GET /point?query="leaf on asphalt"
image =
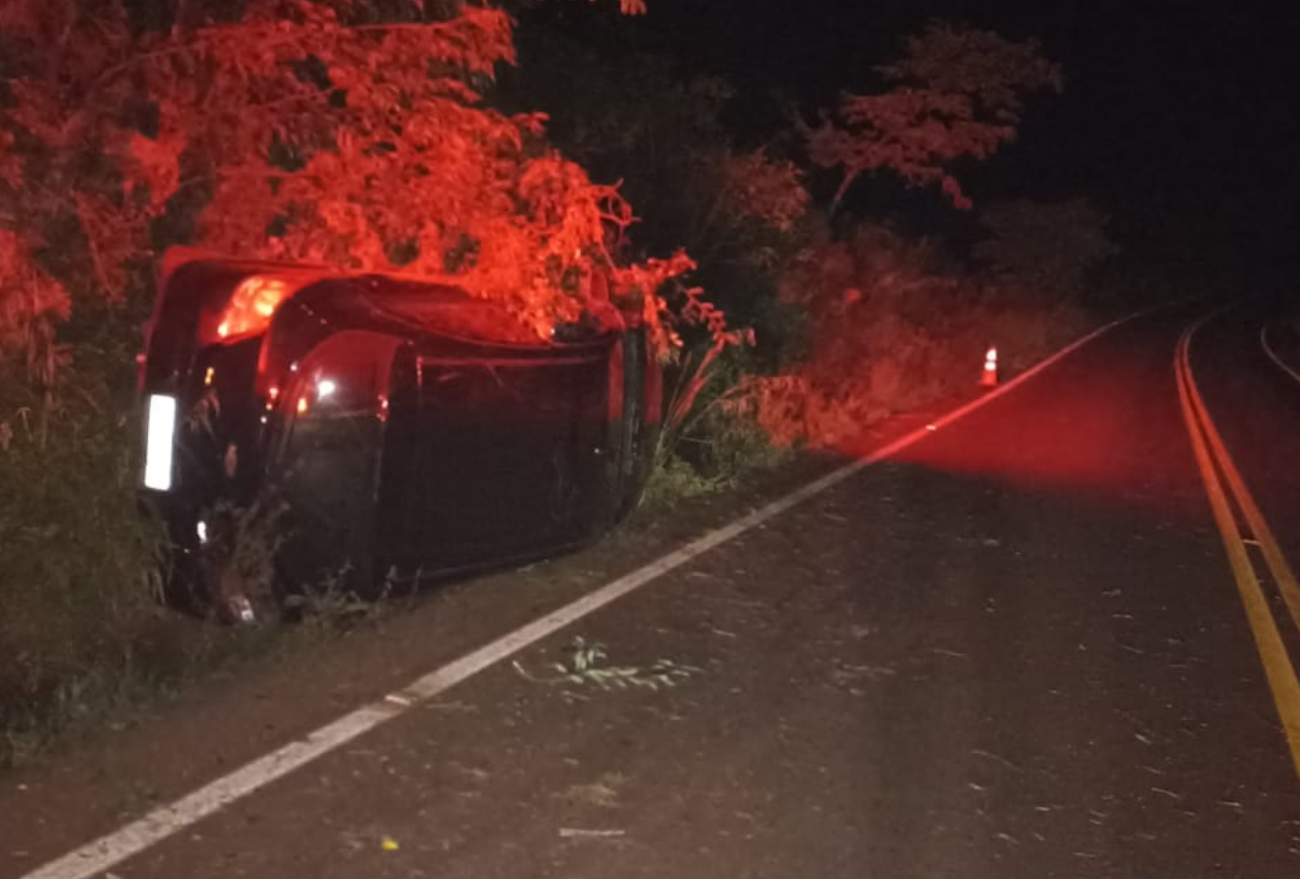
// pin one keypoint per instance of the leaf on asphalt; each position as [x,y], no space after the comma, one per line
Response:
[586,667]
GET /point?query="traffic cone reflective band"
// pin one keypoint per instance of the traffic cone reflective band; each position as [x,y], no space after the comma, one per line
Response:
[990,377]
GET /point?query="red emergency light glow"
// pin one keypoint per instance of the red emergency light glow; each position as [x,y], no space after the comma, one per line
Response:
[251,306]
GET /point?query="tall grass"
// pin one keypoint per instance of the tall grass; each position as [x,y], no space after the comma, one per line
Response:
[79,568]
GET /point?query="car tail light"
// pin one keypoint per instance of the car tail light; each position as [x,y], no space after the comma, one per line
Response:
[159,433]
[251,306]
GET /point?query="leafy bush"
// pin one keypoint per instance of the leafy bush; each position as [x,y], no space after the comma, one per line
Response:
[891,326]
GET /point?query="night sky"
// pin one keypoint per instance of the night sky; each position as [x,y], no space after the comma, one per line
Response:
[1177,117]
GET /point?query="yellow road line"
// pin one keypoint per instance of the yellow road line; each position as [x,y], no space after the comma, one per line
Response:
[1278,670]
[1283,576]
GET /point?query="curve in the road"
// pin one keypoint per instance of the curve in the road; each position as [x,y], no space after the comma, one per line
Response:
[1273,355]
[1217,471]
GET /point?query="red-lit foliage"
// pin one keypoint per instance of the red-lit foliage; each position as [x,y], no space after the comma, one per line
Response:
[891,327]
[958,92]
[758,187]
[332,131]
[30,303]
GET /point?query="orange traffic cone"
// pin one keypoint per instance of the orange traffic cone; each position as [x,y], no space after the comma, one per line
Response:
[990,377]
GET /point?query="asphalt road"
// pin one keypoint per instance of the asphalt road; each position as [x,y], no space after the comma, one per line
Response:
[1016,649]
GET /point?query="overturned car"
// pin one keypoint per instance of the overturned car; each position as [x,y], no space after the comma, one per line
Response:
[368,431]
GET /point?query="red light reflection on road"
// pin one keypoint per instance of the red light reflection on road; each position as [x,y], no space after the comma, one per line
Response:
[1100,437]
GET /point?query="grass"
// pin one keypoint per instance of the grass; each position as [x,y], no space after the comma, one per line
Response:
[149,666]
[675,480]
[714,449]
[156,660]
[79,620]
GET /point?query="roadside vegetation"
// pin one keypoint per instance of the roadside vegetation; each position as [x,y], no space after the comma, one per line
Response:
[796,297]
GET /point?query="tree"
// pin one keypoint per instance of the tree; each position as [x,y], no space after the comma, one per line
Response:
[348,132]
[642,118]
[957,93]
[1045,248]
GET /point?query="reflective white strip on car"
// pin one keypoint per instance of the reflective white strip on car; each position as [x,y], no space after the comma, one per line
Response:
[160,432]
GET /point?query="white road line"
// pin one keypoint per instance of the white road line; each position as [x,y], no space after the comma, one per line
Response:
[96,857]
[1272,355]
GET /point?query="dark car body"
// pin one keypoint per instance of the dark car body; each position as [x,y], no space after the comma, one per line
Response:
[385,429]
